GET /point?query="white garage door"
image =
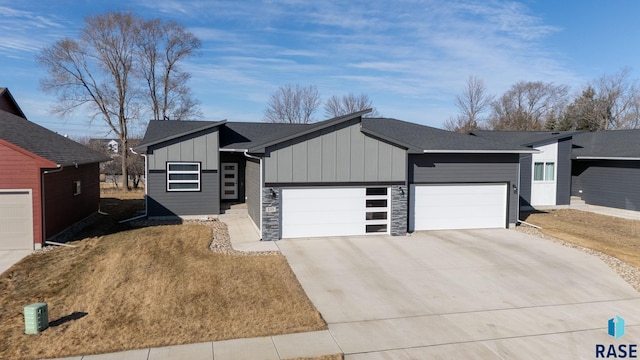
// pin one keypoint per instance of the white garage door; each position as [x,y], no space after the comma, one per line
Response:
[314,212]
[464,206]
[16,220]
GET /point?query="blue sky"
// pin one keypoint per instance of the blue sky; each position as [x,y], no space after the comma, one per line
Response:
[411,57]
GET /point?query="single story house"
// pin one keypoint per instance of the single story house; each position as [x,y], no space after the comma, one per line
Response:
[348,175]
[545,176]
[48,182]
[606,168]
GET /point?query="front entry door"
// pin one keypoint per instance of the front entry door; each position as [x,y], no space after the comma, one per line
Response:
[229,181]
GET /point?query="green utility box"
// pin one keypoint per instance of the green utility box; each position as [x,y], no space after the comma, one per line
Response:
[36,318]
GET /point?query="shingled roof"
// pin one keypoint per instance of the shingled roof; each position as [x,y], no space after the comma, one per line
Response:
[255,137]
[609,144]
[45,143]
[420,138]
[523,138]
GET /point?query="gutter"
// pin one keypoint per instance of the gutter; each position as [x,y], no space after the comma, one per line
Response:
[606,158]
[146,197]
[533,151]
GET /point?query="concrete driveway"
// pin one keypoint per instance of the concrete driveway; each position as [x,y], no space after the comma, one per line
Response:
[10,257]
[491,294]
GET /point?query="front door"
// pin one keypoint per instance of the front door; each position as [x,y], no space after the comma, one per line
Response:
[229,181]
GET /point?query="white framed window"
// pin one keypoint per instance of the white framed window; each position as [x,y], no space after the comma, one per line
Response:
[183,176]
[77,187]
[544,171]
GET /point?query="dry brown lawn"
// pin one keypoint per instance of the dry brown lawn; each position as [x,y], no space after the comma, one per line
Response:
[148,287]
[610,235]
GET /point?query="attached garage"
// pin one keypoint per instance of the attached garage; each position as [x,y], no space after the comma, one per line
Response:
[16,220]
[457,206]
[335,211]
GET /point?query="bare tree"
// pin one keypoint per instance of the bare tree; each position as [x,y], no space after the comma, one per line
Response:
[618,99]
[102,72]
[347,104]
[96,71]
[161,46]
[472,103]
[293,104]
[528,106]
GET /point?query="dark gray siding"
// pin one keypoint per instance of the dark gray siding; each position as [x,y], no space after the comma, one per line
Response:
[252,190]
[183,203]
[338,154]
[608,183]
[525,180]
[468,168]
[199,147]
[563,183]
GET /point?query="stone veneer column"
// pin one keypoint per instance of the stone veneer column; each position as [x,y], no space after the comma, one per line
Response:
[270,219]
[399,208]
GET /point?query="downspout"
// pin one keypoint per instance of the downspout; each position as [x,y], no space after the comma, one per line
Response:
[146,197]
[260,197]
[44,223]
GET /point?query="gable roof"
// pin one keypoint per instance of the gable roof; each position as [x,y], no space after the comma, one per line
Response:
[425,139]
[9,104]
[309,128]
[256,137]
[247,135]
[523,138]
[159,131]
[608,144]
[45,143]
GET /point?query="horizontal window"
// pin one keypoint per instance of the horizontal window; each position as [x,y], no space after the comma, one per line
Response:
[378,215]
[195,167]
[376,203]
[377,228]
[377,191]
[183,176]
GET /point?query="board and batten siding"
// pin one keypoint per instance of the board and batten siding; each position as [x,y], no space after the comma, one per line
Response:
[468,168]
[252,190]
[608,183]
[338,154]
[202,147]
[563,184]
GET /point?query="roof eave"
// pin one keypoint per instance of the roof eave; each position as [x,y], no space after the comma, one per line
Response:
[145,146]
[459,151]
[388,139]
[624,158]
[325,124]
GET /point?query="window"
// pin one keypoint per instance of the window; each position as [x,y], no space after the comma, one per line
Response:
[544,171]
[549,171]
[183,176]
[77,188]
[377,210]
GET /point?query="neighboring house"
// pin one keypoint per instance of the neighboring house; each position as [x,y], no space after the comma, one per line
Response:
[110,146]
[344,176]
[545,176]
[48,182]
[606,168]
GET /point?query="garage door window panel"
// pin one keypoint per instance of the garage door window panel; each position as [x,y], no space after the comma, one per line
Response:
[183,176]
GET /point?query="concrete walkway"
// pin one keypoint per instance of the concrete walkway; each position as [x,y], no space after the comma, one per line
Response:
[278,347]
[244,237]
